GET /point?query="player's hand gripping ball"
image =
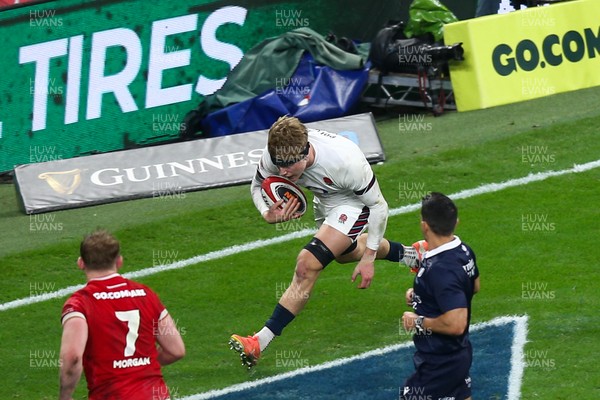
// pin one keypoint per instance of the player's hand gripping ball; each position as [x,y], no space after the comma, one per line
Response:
[275,188]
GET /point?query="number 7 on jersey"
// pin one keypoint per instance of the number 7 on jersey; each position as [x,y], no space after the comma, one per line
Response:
[132,318]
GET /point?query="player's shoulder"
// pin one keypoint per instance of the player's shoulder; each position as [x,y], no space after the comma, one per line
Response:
[76,298]
[454,255]
[319,133]
[465,252]
[335,148]
[82,294]
[78,302]
[448,255]
[453,262]
[466,247]
[134,285]
[325,137]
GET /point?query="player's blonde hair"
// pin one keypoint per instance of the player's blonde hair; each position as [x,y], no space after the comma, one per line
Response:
[99,250]
[288,139]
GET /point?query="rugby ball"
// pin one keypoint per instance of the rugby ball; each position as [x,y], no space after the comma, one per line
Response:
[275,188]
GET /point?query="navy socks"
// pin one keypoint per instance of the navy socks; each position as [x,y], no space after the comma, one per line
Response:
[280,318]
[396,251]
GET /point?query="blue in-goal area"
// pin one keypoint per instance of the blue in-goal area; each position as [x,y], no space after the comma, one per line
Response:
[380,374]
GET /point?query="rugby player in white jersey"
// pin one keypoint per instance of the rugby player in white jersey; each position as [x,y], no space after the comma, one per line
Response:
[347,199]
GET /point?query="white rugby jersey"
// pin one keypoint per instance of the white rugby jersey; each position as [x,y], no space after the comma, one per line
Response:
[340,175]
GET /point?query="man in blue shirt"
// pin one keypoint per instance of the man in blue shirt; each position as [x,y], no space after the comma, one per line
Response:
[441,298]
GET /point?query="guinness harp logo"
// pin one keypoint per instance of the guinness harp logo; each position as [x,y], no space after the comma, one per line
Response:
[62,182]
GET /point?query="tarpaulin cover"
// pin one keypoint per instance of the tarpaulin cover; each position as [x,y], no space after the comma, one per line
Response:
[315,92]
[272,62]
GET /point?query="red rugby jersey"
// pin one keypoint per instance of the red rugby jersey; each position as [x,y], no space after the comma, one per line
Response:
[120,358]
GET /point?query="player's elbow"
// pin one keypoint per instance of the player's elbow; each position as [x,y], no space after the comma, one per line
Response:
[71,364]
[456,322]
[171,346]
[457,329]
[70,360]
[380,212]
[476,286]
[178,353]
[172,353]
[381,204]
[177,349]
[384,203]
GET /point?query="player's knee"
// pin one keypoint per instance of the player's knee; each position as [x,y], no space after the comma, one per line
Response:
[307,267]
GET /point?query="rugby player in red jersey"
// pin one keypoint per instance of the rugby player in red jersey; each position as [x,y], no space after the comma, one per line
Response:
[111,329]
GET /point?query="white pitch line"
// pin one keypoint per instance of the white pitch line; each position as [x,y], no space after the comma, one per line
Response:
[514,379]
[214,255]
[517,361]
[495,187]
[301,371]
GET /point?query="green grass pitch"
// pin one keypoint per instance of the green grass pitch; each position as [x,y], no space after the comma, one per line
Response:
[536,249]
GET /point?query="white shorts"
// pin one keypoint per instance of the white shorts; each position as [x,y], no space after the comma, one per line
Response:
[351,221]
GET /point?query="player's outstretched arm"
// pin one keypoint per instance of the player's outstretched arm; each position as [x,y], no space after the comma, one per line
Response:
[72,346]
[171,347]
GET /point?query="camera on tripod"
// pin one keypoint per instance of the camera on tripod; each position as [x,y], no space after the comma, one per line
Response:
[443,54]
